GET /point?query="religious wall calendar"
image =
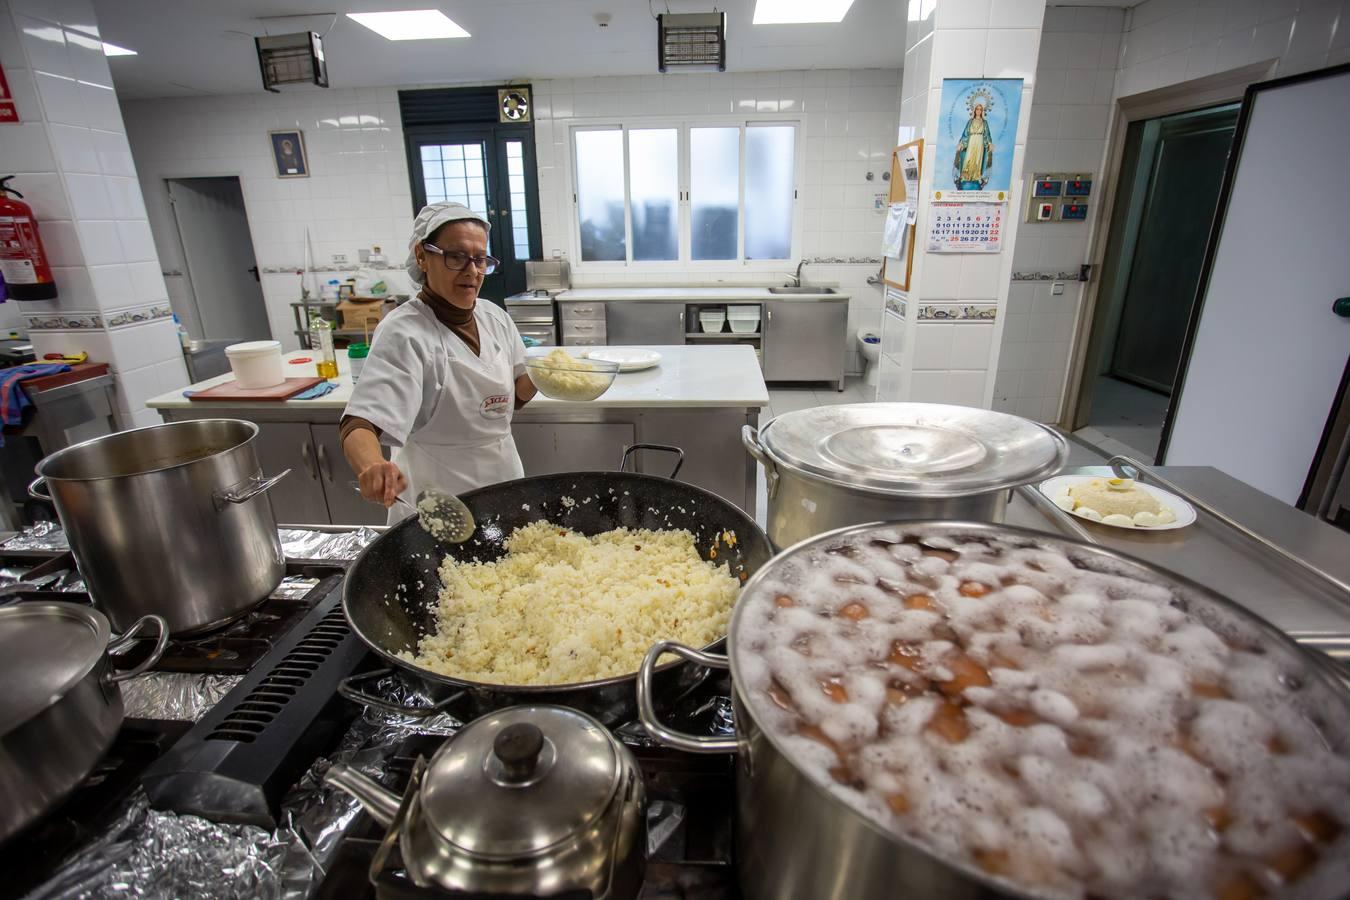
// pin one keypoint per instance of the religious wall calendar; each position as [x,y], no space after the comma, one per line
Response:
[966,227]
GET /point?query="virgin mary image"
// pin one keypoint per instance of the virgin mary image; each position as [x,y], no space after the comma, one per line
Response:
[974,152]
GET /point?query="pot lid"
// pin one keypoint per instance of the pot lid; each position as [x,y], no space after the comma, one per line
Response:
[45,649]
[915,449]
[520,780]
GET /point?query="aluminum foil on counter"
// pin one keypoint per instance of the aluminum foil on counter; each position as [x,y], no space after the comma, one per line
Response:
[305,543]
[151,854]
[41,536]
[177,696]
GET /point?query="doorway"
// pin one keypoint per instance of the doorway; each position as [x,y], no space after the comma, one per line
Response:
[224,298]
[490,169]
[1171,173]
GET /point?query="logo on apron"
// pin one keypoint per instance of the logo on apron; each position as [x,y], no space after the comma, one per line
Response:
[495,406]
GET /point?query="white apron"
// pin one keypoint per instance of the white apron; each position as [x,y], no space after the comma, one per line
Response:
[467,442]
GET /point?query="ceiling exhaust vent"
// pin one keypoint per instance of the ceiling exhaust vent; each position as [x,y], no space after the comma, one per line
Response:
[691,42]
[287,59]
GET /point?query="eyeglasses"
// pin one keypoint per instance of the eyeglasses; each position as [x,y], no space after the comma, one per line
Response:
[456,261]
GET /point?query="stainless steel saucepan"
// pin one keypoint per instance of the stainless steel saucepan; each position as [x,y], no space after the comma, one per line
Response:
[169,520]
[61,706]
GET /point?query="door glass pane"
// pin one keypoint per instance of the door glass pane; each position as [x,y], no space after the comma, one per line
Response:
[714,191]
[768,191]
[454,172]
[653,186]
[520,211]
[599,156]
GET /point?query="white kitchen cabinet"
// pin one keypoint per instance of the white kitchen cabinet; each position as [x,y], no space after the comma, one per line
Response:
[804,341]
[346,506]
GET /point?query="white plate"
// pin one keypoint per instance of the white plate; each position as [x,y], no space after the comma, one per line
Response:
[1184,512]
[629,360]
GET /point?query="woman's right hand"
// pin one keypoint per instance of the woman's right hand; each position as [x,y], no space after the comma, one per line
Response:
[382,482]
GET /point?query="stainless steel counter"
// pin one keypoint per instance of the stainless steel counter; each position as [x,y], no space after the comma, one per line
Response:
[1215,555]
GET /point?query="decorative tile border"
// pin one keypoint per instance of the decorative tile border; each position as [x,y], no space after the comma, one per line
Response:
[896,302]
[65,321]
[844,260]
[1046,276]
[958,312]
[139,315]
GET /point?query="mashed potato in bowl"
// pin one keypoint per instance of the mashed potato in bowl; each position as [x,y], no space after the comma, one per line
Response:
[564,377]
[563,608]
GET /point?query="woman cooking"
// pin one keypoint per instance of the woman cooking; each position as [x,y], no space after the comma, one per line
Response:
[444,375]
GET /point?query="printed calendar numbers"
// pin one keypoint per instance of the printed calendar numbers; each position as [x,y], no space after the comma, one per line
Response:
[966,227]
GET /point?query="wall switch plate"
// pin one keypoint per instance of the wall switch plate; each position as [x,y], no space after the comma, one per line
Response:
[1078,185]
[339,259]
[1057,288]
[1071,211]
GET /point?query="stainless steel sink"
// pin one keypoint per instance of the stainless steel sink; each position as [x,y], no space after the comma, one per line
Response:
[801,289]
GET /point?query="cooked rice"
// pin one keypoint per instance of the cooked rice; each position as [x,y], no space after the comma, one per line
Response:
[561,607]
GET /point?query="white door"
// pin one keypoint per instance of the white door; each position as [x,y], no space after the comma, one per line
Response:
[1268,350]
[218,247]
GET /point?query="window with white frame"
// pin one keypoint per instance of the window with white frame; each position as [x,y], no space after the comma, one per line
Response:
[687,192]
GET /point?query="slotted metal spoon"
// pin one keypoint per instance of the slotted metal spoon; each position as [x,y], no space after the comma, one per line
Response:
[444,517]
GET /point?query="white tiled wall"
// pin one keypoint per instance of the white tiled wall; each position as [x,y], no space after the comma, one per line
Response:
[1075,84]
[74,167]
[942,361]
[848,119]
[357,194]
[1171,41]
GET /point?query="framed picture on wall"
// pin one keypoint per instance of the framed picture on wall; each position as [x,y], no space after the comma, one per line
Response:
[288,152]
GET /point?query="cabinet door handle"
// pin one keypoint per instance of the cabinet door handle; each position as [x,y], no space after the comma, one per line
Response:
[324,466]
[308,459]
[769,316]
[681,318]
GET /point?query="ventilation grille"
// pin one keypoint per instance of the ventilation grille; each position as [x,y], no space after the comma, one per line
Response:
[267,700]
[446,106]
[686,40]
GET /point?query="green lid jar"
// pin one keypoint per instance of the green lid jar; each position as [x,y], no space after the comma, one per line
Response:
[356,359]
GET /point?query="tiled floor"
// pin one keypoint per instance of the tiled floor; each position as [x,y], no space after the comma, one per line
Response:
[1125,419]
[792,398]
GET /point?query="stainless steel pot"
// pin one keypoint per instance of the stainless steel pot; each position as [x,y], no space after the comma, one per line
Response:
[832,466]
[797,840]
[61,706]
[528,801]
[169,520]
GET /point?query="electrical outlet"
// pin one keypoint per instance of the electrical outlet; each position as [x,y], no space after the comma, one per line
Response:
[339,259]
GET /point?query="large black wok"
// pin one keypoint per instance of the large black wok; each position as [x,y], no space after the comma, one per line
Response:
[392,588]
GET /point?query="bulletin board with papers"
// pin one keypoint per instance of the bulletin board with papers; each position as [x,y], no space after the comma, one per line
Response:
[899,233]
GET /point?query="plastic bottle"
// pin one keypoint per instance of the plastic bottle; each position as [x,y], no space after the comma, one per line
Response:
[356,359]
[322,330]
[183,337]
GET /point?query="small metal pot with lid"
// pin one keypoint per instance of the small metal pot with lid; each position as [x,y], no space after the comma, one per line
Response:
[531,800]
[833,466]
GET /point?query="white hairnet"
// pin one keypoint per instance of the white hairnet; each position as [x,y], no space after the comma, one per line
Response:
[433,216]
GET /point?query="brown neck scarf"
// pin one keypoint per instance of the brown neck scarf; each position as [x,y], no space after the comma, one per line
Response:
[458,320]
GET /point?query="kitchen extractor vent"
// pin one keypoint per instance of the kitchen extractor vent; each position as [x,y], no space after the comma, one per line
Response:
[688,41]
[288,59]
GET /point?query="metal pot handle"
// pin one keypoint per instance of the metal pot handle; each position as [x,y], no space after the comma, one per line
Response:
[252,488]
[665,448]
[348,688]
[120,643]
[690,743]
[750,438]
[33,489]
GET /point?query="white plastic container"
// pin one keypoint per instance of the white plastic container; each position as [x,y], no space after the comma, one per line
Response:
[256,364]
[712,320]
[743,319]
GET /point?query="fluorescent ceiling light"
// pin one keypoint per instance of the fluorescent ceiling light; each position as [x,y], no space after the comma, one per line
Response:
[800,12]
[114,50]
[410,24]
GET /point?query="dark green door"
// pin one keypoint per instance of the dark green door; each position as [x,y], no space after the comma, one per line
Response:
[1184,173]
[491,170]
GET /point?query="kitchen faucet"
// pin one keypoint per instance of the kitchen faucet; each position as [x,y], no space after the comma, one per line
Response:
[798,277]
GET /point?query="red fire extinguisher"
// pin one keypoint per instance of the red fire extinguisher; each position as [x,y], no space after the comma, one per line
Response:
[23,264]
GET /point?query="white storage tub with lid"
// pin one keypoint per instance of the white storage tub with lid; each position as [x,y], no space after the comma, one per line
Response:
[256,364]
[712,320]
[743,319]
